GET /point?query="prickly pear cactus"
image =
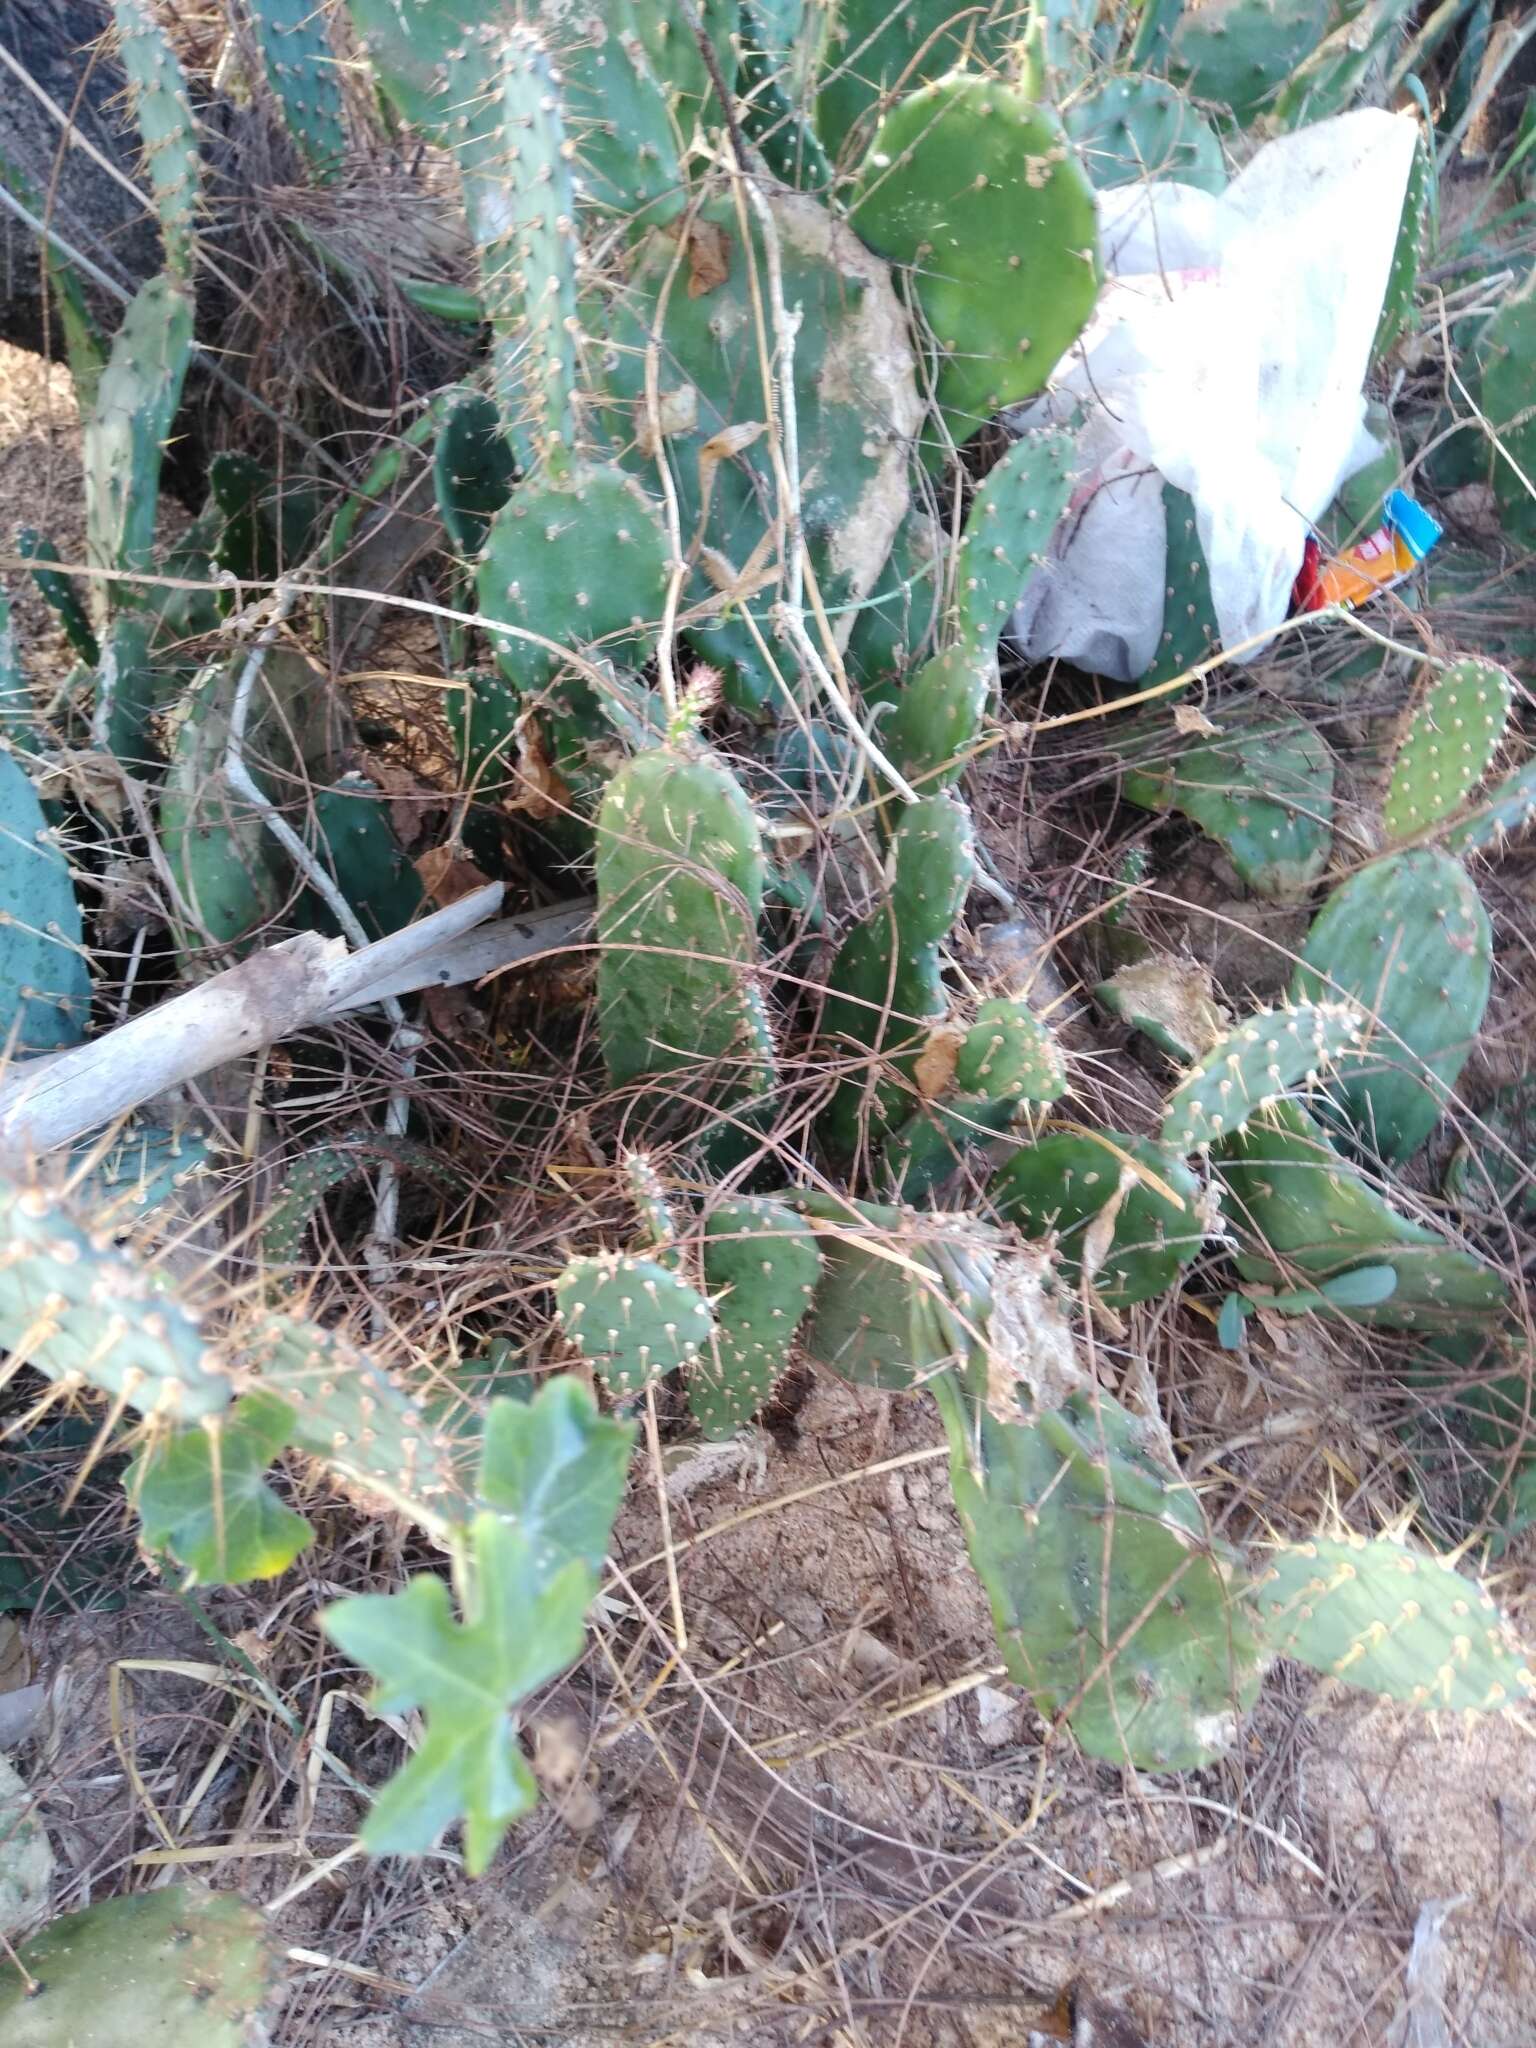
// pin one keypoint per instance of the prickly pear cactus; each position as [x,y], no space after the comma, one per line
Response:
[1003,1061]
[761,1264]
[1252,1067]
[1448,746]
[875,50]
[903,1296]
[577,561]
[60,591]
[1497,814]
[1190,634]
[680,875]
[358,845]
[371,1431]
[1121,1209]
[782,45]
[163,113]
[181,1966]
[127,430]
[896,628]
[1237,53]
[976,190]
[1506,353]
[1263,790]
[1407,252]
[228,868]
[1007,531]
[45,982]
[885,984]
[305,80]
[1406,939]
[1131,129]
[938,716]
[633,1320]
[1113,1604]
[1300,1211]
[1395,1620]
[88,1315]
[473,470]
[627,68]
[857,410]
[1483,1177]
[1172,1001]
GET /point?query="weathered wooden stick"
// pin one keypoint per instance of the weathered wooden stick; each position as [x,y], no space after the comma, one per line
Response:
[304,982]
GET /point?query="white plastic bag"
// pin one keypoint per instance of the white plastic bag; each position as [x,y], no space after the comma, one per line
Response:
[1227,355]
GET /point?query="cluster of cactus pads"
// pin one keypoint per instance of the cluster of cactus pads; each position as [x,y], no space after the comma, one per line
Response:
[728,569]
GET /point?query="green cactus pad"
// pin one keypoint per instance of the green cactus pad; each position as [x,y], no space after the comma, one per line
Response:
[895,629]
[1452,735]
[632,1320]
[129,426]
[1485,1178]
[761,1264]
[875,50]
[1497,815]
[1301,1212]
[1263,791]
[483,717]
[1407,252]
[87,1314]
[1190,633]
[1111,1600]
[1005,1059]
[366,1427]
[1131,129]
[307,1179]
[1008,530]
[60,590]
[680,876]
[904,1295]
[1506,353]
[182,1966]
[581,561]
[1064,1184]
[782,46]
[1408,940]
[304,78]
[1252,1067]
[626,67]
[167,129]
[229,870]
[358,845]
[1237,53]
[144,1168]
[976,190]
[937,718]
[1008,1052]
[45,982]
[885,983]
[473,469]
[1393,1620]
[658,1225]
[856,403]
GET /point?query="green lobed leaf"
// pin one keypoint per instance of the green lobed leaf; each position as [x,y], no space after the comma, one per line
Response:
[203,1495]
[521,1626]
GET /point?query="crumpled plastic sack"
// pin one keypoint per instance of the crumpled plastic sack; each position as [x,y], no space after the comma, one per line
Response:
[1227,355]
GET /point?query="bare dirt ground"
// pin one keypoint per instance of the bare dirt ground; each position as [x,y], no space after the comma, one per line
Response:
[790,1796]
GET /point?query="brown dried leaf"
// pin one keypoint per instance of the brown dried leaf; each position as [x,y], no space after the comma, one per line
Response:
[446,875]
[709,258]
[1189,718]
[934,1068]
